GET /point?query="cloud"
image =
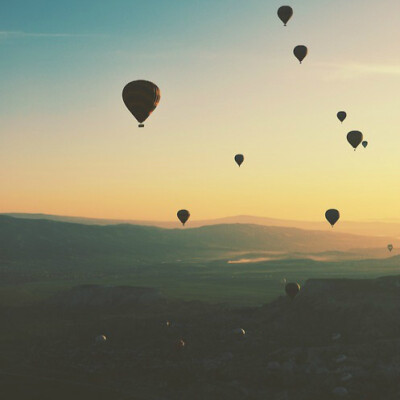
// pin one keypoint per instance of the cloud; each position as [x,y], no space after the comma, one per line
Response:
[20,34]
[358,70]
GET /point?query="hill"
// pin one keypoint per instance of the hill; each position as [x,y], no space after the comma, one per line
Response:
[46,240]
[363,228]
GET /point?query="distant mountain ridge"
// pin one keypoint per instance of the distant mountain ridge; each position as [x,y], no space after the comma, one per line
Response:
[367,228]
[45,239]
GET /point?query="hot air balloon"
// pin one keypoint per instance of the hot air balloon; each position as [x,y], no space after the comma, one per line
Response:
[183,216]
[292,289]
[364,143]
[180,344]
[100,339]
[285,13]
[390,247]
[300,52]
[354,138]
[239,332]
[141,98]
[332,216]
[239,158]
[341,115]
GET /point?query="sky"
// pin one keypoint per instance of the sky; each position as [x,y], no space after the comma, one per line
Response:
[229,84]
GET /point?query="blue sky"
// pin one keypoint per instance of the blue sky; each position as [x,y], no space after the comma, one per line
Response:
[229,84]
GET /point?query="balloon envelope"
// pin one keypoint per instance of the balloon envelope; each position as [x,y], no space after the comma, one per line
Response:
[183,216]
[300,52]
[285,13]
[390,247]
[332,215]
[100,339]
[364,143]
[141,98]
[292,289]
[354,138]
[239,158]
[341,115]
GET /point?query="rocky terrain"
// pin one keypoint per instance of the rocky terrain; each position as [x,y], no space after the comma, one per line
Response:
[336,339]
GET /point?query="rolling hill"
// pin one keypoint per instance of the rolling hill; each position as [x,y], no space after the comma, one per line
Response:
[364,228]
[44,239]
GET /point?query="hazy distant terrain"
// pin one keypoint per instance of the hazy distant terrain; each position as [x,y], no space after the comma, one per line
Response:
[366,228]
[234,263]
[30,239]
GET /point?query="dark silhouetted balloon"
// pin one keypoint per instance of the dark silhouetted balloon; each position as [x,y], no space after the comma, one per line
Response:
[341,115]
[390,247]
[285,13]
[300,52]
[332,216]
[183,216]
[364,143]
[354,138]
[239,159]
[141,98]
[292,289]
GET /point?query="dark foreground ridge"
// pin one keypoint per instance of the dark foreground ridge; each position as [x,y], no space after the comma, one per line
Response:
[337,339]
[105,296]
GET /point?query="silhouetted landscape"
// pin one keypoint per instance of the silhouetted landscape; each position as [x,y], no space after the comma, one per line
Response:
[147,288]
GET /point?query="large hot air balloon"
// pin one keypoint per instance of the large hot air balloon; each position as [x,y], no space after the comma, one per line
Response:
[354,138]
[292,289]
[183,216]
[332,216]
[390,247]
[364,143]
[300,52]
[285,13]
[341,115]
[141,98]
[239,158]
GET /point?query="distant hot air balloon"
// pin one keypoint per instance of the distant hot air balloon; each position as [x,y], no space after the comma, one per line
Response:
[300,52]
[141,98]
[239,332]
[341,115]
[390,247]
[285,13]
[354,138]
[292,289]
[332,215]
[364,143]
[239,158]
[180,344]
[100,339]
[183,216]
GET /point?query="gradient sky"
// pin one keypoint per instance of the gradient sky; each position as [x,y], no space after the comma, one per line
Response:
[229,84]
